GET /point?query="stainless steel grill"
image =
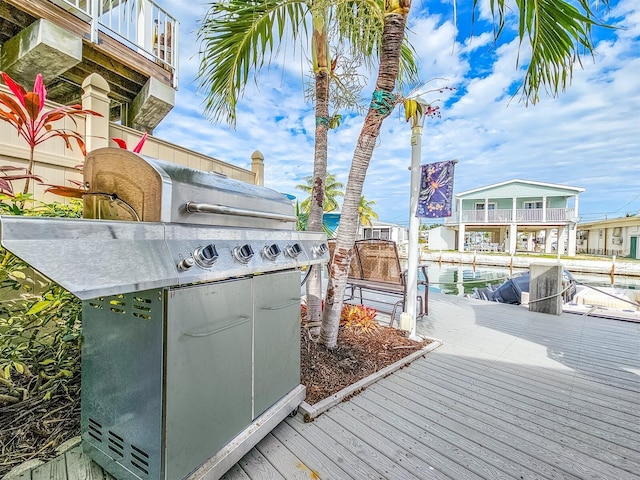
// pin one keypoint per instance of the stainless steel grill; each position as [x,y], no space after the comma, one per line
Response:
[191,289]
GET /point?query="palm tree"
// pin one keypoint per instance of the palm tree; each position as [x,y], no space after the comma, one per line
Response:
[332,189]
[365,212]
[239,36]
[556,31]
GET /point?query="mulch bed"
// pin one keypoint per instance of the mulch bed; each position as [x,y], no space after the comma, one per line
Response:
[358,354]
[34,428]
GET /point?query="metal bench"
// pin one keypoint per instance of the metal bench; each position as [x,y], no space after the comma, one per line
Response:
[375,267]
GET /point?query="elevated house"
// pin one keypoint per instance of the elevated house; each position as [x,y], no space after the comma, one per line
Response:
[117,57]
[132,44]
[517,215]
[616,236]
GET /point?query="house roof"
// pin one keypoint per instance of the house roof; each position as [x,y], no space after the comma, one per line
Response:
[611,222]
[529,185]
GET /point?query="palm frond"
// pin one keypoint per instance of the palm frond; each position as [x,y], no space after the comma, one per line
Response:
[558,33]
[237,38]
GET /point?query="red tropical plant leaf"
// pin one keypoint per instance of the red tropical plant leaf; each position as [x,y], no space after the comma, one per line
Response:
[32,105]
[5,186]
[70,192]
[9,168]
[40,90]
[17,90]
[138,147]
[14,107]
[121,143]
[32,123]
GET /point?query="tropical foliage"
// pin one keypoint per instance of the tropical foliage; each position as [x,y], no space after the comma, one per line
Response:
[365,211]
[26,113]
[40,339]
[332,190]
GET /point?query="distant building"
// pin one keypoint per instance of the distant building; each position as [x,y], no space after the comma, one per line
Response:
[515,215]
[618,236]
[384,231]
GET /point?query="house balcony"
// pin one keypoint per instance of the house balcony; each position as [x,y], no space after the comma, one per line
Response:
[535,216]
[132,44]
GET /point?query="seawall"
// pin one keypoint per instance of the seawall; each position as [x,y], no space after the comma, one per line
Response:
[601,265]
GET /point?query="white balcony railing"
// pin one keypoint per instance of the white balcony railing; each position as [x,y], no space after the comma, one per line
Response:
[523,215]
[140,24]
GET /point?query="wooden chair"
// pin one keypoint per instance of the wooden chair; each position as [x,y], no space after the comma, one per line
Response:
[375,267]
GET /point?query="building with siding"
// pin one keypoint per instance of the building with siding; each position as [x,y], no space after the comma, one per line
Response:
[617,236]
[517,215]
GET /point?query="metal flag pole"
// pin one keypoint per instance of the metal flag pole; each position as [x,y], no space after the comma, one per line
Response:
[414,225]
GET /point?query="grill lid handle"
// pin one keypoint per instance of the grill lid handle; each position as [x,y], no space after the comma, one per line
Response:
[193,207]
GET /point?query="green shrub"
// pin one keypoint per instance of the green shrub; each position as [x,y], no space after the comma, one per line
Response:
[40,339]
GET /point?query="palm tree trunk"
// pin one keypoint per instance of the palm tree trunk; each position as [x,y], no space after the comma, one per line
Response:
[316,208]
[381,107]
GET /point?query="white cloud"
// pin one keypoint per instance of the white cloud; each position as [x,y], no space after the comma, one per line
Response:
[588,137]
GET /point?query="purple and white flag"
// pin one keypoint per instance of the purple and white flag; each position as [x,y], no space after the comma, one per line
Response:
[436,190]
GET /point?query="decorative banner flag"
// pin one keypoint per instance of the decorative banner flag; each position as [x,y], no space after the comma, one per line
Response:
[436,190]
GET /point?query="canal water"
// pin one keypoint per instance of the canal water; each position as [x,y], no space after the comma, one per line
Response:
[462,279]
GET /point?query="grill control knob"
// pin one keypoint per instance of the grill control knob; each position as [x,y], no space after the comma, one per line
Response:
[293,250]
[244,253]
[186,264]
[206,256]
[271,252]
[320,249]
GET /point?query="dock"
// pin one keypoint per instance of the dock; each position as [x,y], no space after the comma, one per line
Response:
[511,394]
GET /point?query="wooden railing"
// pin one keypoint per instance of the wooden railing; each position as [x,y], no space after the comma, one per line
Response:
[142,25]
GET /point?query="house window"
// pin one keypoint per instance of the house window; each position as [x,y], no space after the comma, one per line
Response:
[377,233]
[532,205]
[480,206]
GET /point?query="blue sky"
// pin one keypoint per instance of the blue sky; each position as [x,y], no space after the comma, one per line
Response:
[588,137]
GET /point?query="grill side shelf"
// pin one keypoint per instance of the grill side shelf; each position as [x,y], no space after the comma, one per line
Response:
[92,258]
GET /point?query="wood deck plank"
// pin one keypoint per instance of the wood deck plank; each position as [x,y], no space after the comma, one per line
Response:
[53,470]
[563,456]
[369,450]
[80,467]
[447,437]
[560,382]
[446,419]
[351,462]
[257,467]
[601,444]
[557,395]
[235,473]
[289,466]
[406,450]
[316,460]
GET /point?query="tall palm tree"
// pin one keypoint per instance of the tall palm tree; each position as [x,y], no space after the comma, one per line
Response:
[238,37]
[365,211]
[332,190]
[556,30]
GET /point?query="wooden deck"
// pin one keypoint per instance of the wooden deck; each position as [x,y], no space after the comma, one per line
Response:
[511,394]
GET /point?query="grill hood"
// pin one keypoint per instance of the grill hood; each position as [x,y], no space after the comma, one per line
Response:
[123,185]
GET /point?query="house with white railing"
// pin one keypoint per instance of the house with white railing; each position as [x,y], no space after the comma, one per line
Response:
[132,44]
[517,215]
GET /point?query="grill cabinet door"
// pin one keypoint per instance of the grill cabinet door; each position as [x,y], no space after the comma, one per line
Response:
[277,337]
[208,378]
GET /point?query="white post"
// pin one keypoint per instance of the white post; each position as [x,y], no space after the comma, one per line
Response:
[414,226]
[94,12]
